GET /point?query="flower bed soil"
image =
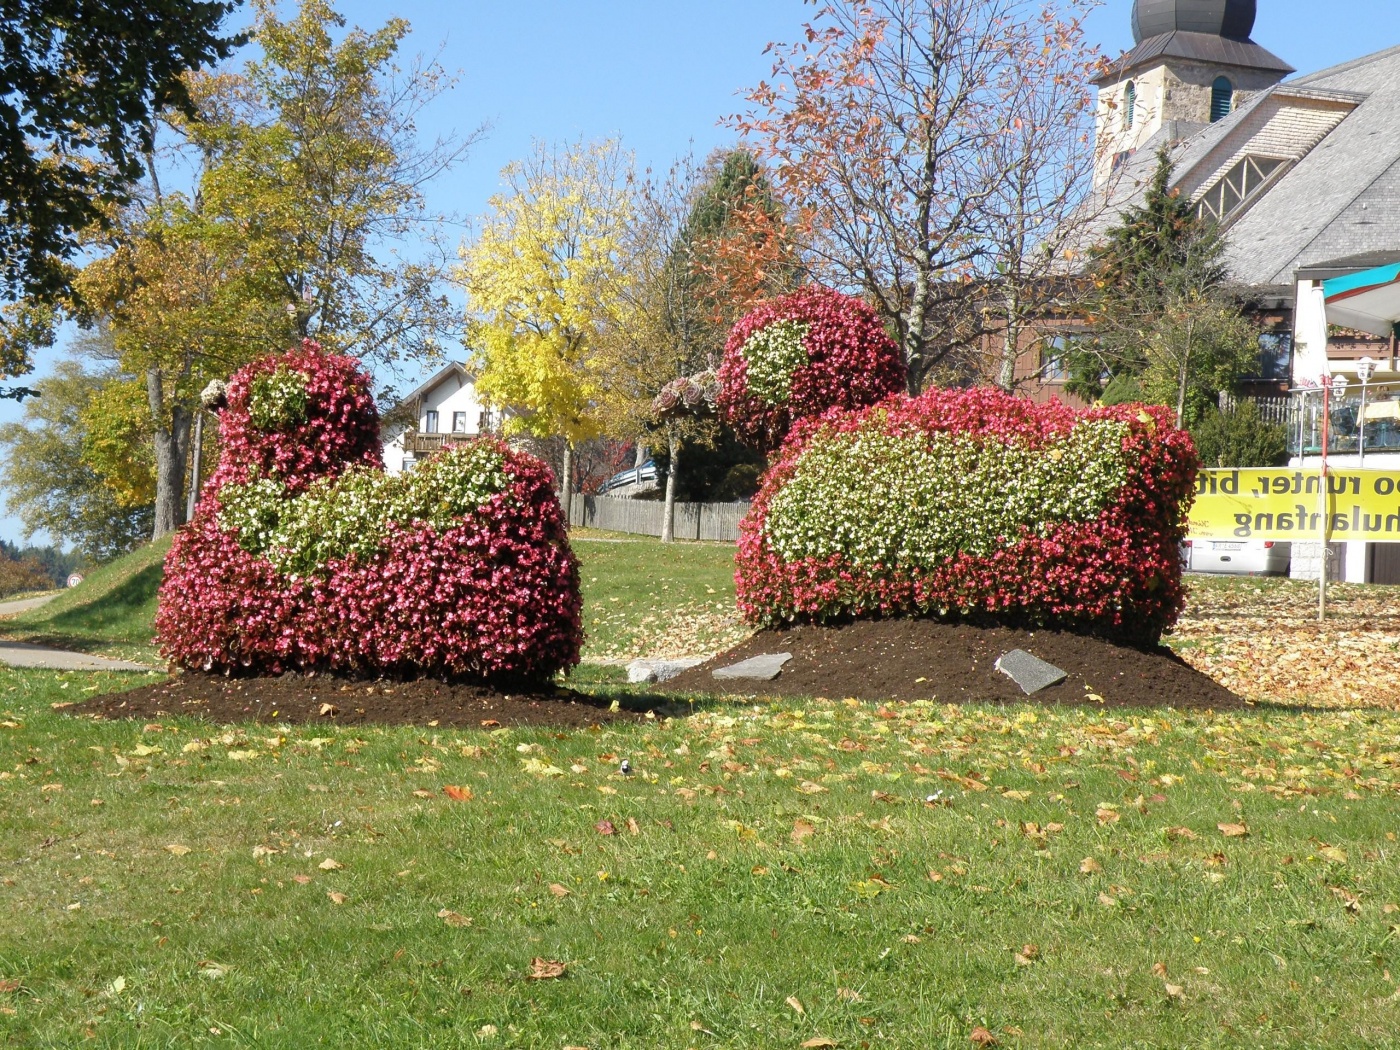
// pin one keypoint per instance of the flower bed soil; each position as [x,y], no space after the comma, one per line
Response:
[912,659]
[295,698]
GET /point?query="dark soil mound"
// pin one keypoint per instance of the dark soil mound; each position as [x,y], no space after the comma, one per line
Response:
[909,659]
[295,698]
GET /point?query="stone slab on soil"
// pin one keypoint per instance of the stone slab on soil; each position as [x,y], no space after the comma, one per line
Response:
[1029,671]
[300,699]
[639,671]
[762,668]
[921,659]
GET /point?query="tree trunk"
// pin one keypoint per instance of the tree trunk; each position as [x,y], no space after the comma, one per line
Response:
[668,515]
[1011,338]
[1183,373]
[566,480]
[172,441]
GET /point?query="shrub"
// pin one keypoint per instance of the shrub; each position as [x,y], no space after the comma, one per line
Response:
[310,560]
[798,356]
[962,503]
[1239,437]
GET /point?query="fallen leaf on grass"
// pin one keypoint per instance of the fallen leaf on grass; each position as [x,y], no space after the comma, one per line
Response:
[178,849]
[1027,955]
[211,969]
[1107,901]
[1332,853]
[336,898]
[264,851]
[809,788]
[633,828]
[802,829]
[457,794]
[545,969]
[330,865]
[1233,831]
[820,1042]
[1181,833]
[1159,969]
[981,1037]
[795,1003]
[1089,866]
[301,880]
[558,890]
[1107,816]
[605,827]
[9,984]
[453,918]
[1174,991]
[420,793]
[850,995]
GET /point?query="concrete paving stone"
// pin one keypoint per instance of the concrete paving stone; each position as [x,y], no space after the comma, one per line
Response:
[763,668]
[1030,672]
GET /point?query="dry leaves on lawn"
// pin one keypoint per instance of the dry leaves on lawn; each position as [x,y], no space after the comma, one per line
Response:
[545,969]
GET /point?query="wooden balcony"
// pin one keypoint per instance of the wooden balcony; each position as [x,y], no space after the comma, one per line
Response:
[416,443]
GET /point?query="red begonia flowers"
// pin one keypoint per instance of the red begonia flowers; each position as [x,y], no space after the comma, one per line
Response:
[800,355]
[974,503]
[304,554]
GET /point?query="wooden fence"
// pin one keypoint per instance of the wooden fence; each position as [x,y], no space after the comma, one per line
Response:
[694,521]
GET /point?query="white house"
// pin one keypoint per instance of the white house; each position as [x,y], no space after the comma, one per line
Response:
[443,411]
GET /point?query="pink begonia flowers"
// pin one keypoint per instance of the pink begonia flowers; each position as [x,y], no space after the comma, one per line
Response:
[304,554]
[798,356]
[974,504]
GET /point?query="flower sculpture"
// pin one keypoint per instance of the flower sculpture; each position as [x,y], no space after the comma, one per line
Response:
[800,355]
[304,554]
[974,503]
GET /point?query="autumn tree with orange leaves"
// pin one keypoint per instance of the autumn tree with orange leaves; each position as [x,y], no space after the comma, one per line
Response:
[929,144]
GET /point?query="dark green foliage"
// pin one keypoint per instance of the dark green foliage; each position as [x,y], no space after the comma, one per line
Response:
[1121,390]
[721,472]
[1238,437]
[81,82]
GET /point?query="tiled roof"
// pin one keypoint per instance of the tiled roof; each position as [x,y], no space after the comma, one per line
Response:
[1199,47]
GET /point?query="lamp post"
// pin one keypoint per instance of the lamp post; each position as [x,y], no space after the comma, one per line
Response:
[1364,369]
[1328,382]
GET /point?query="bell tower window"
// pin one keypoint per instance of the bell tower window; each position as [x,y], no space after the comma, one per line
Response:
[1222,96]
[1129,104]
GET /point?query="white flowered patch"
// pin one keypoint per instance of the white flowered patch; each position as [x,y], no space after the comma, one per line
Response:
[771,356]
[918,499]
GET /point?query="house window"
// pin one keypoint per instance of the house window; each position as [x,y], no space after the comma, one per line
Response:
[459,422]
[1235,187]
[1222,95]
[430,422]
[1275,355]
[1054,366]
[1129,104]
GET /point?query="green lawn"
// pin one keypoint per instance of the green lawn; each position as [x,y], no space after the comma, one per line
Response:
[772,875]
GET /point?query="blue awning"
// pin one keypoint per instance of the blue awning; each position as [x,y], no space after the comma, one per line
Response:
[1368,301]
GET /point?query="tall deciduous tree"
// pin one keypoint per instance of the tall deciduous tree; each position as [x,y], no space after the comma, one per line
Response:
[308,180]
[50,486]
[541,278]
[81,83]
[888,124]
[1163,310]
[704,244]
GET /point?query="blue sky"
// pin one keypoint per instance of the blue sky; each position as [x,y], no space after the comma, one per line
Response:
[660,74]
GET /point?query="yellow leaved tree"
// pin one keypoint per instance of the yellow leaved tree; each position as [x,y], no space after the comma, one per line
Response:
[541,277]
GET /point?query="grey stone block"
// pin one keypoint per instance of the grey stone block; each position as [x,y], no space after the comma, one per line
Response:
[660,670]
[762,668]
[1031,673]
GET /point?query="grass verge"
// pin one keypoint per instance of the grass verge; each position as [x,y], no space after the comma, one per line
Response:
[771,875]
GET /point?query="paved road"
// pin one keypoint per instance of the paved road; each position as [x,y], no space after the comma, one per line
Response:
[10,608]
[22,654]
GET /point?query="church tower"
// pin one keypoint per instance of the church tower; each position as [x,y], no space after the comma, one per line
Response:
[1192,64]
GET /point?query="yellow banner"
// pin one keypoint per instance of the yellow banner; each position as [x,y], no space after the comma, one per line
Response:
[1284,504]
